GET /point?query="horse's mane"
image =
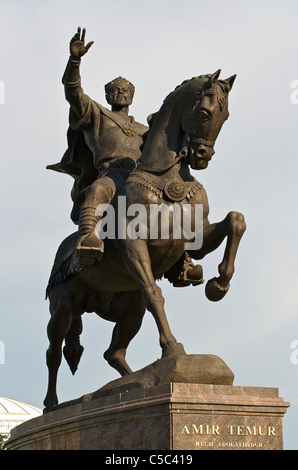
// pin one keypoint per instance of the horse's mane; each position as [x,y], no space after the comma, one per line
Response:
[188,81]
[151,117]
[222,83]
[191,79]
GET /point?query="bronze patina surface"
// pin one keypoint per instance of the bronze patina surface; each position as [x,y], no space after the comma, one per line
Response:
[109,155]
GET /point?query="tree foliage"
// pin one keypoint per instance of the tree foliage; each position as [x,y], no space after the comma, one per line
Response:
[3,438]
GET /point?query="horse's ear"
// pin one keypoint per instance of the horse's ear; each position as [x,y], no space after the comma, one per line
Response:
[231,80]
[214,76]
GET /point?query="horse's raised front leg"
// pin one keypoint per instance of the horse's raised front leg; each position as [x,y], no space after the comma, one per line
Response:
[232,227]
[138,262]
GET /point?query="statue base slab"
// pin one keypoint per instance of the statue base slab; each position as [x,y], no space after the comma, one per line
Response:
[170,416]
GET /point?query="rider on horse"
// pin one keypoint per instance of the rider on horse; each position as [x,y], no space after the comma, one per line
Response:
[103,148]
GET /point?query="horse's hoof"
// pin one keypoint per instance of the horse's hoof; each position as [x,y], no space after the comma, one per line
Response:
[173,349]
[214,291]
[49,407]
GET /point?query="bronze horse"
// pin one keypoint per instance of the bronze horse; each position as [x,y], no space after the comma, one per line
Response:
[121,286]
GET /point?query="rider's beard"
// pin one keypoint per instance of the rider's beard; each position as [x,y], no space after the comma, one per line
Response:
[121,100]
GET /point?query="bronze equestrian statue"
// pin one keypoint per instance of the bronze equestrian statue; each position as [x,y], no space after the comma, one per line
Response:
[120,284]
[104,146]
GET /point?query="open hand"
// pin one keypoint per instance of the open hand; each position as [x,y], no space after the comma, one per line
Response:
[77,44]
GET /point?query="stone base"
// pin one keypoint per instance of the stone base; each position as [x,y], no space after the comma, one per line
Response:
[178,368]
[172,416]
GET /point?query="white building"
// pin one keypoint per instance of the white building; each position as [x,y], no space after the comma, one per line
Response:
[13,413]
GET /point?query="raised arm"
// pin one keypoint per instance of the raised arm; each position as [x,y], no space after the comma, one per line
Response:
[71,78]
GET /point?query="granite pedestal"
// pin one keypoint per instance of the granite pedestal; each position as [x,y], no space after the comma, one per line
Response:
[171,416]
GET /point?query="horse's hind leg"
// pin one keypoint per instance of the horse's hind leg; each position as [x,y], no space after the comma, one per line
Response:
[130,309]
[60,321]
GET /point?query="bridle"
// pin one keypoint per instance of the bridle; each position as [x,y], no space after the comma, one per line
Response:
[192,141]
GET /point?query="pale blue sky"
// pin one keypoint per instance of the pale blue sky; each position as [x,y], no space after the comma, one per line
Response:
[156,45]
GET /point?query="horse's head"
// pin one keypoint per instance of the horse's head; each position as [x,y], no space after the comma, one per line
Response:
[203,119]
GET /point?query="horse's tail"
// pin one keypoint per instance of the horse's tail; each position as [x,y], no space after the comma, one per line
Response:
[65,262]
[73,350]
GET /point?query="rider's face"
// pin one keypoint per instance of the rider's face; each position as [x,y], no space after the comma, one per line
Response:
[120,95]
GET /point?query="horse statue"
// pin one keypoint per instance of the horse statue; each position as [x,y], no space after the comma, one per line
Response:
[121,286]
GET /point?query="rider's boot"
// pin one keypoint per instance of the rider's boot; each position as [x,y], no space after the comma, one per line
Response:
[90,247]
[184,273]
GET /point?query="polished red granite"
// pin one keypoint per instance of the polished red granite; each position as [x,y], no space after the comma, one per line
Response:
[173,416]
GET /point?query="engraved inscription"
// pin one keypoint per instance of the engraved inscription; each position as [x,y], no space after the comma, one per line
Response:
[230,444]
[201,429]
[230,429]
[251,430]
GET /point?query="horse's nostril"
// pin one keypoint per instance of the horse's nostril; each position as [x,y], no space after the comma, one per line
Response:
[201,151]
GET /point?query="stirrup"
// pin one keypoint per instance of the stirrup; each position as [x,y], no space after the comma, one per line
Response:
[90,252]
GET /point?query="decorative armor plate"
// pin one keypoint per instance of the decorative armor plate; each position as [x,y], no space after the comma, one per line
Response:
[175,190]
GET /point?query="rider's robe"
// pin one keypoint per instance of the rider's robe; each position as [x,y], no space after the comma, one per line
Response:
[98,138]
